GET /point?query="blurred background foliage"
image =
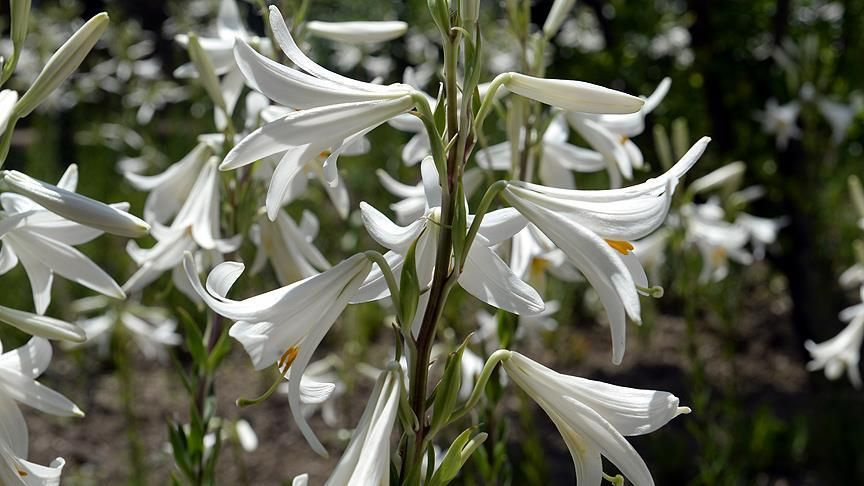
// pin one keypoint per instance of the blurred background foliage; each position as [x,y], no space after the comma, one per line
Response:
[732,350]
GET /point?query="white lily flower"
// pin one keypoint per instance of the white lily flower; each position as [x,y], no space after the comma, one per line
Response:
[412,205]
[779,120]
[559,159]
[43,242]
[843,351]
[593,228]
[63,201]
[153,329]
[610,134]
[220,51]
[357,32]
[839,116]
[319,386]
[593,417]
[195,226]
[334,112]
[528,331]
[532,255]
[716,239]
[170,189]
[367,458]
[284,325]
[485,275]
[289,247]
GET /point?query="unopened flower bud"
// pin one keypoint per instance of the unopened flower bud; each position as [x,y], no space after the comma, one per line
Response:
[62,64]
[573,95]
[557,14]
[75,207]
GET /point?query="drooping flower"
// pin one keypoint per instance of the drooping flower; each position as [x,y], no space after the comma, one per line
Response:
[43,241]
[367,458]
[288,246]
[283,326]
[610,134]
[593,228]
[19,369]
[196,225]
[594,417]
[485,274]
[843,351]
[334,111]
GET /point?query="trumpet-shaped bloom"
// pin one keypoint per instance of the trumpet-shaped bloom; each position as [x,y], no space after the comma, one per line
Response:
[610,134]
[19,369]
[334,112]
[558,161]
[593,417]
[412,205]
[485,275]
[843,351]
[839,116]
[44,244]
[195,226]
[367,458]
[593,228]
[285,325]
[289,247]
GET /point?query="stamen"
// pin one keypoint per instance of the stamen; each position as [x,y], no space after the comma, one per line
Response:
[22,473]
[718,255]
[623,139]
[287,358]
[324,154]
[622,247]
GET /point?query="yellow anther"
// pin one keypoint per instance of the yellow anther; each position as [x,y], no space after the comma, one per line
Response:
[324,154]
[718,255]
[22,473]
[623,139]
[287,358]
[622,247]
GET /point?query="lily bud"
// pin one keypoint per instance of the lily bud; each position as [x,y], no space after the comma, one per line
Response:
[75,207]
[357,32]
[728,176]
[573,95]
[206,72]
[42,326]
[62,64]
[557,14]
[20,16]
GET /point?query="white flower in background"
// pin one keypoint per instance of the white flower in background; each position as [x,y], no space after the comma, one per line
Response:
[485,275]
[153,329]
[170,189]
[651,251]
[559,159]
[529,329]
[582,32]
[593,228]
[532,255]
[843,351]
[412,205]
[19,369]
[839,116]
[220,50]
[367,458]
[780,121]
[609,134]
[335,111]
[594,417]
[283,326]
[196,226]
[43,242]
[288,246]
[319,386]
[357,32]
[718,241]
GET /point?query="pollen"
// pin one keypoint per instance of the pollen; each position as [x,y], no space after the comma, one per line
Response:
[718,255]
[288,357]
[623,139]
[324,154]
[622,247]
[22,473]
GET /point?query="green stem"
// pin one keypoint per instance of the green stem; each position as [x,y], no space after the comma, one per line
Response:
[480,384]
[122,360]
